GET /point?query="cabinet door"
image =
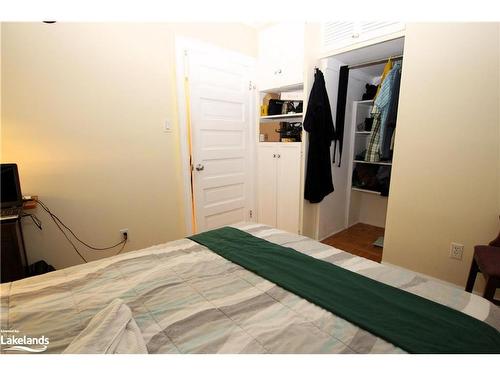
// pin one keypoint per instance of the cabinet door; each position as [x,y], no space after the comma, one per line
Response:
[339,34]
[372,30]
[291,57]
[281,55]
[288,186]
[266,183]
[268,61]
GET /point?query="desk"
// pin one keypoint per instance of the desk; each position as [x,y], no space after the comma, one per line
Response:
[13,250]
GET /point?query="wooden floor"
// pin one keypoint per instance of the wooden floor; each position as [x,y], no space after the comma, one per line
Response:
[358,240]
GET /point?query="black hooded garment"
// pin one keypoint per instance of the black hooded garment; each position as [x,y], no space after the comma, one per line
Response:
[340,118]
[319,124]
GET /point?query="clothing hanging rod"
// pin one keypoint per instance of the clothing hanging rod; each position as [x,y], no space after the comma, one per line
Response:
[375,62]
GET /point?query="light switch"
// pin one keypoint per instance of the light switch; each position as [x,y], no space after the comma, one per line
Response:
[166,126]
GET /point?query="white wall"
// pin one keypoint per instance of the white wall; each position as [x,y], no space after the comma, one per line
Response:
[83,107]
[333,207]
[445,176]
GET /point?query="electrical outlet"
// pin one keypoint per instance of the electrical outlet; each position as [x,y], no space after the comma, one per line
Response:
[124,233]
[456,250]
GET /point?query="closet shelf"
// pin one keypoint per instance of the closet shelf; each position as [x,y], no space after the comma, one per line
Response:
[366,102]
[289,115]
[366,191]
[364,132]
[373,162]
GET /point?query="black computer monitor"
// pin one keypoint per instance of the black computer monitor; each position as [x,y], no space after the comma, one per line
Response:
[10,186]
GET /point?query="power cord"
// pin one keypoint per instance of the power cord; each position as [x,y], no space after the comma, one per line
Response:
[60,224]
[36,220]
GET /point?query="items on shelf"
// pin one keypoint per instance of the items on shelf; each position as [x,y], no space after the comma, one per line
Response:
[372,177]
[370,92]
[366,125]
[290,131]
[275,104]
[283,107]
[280,132]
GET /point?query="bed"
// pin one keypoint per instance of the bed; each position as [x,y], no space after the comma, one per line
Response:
[187,299]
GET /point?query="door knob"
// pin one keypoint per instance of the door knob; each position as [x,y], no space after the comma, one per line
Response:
[200,167]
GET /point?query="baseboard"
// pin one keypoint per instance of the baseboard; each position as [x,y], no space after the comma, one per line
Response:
[340,230]
[331,234]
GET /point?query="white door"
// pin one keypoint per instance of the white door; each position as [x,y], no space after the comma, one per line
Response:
[220,117]
[266,183]
[288,186]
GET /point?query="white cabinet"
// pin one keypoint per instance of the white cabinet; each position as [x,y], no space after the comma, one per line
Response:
[281,56]
[278,184]
[338,35]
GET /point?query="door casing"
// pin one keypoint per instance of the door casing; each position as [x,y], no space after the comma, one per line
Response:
[182,47]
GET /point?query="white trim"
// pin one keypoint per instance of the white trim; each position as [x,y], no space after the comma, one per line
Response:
[365,43]
[332,234]
[182,46]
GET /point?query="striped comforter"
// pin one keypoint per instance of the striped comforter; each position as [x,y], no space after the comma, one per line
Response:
[187,299]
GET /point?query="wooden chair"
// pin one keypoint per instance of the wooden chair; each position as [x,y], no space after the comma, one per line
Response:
[487,261]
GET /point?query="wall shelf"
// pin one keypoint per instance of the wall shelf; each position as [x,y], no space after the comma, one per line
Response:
[366,191]
[373,162]
[365,102]
[277,117]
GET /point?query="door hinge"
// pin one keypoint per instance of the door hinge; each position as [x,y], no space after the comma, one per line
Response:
[186,65]
[251,214]
[251,85]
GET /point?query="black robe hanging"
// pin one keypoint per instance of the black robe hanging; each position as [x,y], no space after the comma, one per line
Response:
[319,124]
[341,104]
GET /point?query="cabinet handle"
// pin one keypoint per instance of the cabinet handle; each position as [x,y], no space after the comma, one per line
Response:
[355,35]
[279,156]
[279,71]
[274,155]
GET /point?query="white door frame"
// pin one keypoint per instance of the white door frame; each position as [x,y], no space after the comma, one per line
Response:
[182,46]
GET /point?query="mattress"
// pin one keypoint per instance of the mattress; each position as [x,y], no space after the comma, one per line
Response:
[187,299]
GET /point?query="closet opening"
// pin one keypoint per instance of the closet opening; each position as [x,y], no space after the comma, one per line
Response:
[354,216]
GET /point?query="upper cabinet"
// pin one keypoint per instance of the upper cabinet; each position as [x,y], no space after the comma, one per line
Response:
[281,56]
[342,35]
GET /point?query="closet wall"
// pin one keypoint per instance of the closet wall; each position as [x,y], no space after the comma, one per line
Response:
[333,207]
[445,184]
[345,207]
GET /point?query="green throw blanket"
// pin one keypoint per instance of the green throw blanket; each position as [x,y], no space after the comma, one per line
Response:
[413,323]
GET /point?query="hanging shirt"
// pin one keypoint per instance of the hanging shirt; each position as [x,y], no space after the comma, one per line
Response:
[385,98]
[387,69]
[373,149]
[318,123]
[392,112]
